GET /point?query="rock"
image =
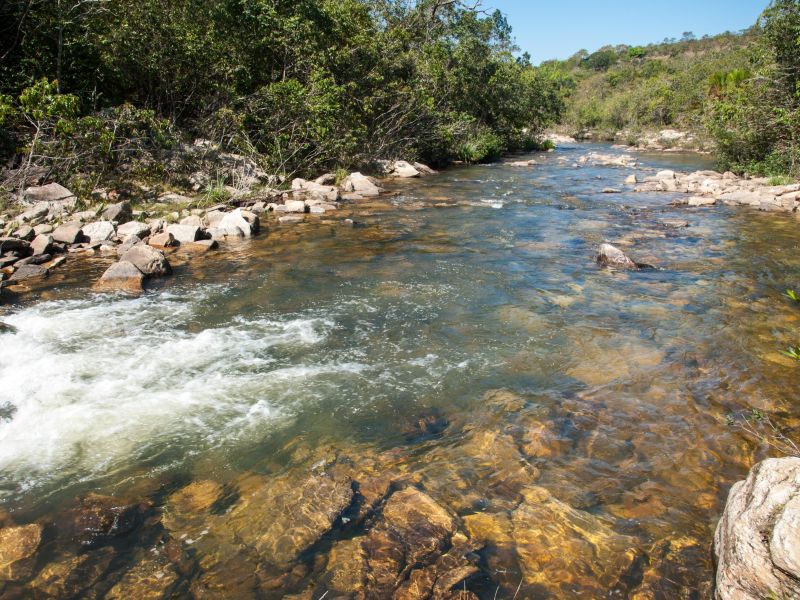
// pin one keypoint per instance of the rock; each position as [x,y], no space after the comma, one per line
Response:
[402,169]
[554,542]
[99,519]
[120,213]
[34,260]
[295,206]
[152,578]
[674,223]
[37,211]
[52,192]
[523,163]
[71,576]
[57,262]
[289,219]
[609,255]
[18,546]
[69,233]
[99,231]
[701,201]
[121,276]
[25,232]
[666,174]
[287,514]
[185,233]
[757,541]
[173,198]
[187,509]
[631,180]
[163,240]
[29,272]
[327,193]
[192,220]
[6,328]
[424,169]
[10,244]
[148,260]
[234,220]
[133,228]
[361,184]
[326,179]
[201,245]
[598,159]
[611,191]
[42,229]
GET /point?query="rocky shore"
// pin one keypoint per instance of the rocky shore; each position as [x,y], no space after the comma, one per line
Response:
[53,226]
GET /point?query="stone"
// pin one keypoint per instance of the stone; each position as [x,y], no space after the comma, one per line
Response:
[701,201]
[120,213]
[148,260]
[18,546]
[10,244]
[29,272]
[133,228]
[201,245]
[25,232]
[99,231]
[402,169]
[757,541]
[631,179]
[121,276]
[361,184]
[37,211]
[186,510]
[99,519]
[675,223]
[192,220]
[37,259]
[72,575]
[424,169]
[163,240]
[609,255]
[295,206]
[560,548]
[326,179]
[234,220]
[152,578]
[611,191]
[42,229]
[185,233]
[665,175]
[68,233]
[52,192]
[289,219]
[287,514]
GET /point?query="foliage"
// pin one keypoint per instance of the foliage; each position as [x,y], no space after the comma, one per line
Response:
[759,426]
[300,85]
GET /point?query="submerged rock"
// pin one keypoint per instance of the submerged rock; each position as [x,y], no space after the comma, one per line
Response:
[18,545]
[286,515]
[99,519]
[71,576]
[152,578]
[611,256]
[757,542]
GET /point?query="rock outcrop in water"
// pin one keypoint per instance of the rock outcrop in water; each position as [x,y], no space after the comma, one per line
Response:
[611,256]
[757,542]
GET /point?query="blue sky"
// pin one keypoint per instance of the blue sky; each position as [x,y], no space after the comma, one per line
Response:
[557,29]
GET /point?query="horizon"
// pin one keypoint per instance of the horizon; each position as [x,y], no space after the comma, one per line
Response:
[539,29]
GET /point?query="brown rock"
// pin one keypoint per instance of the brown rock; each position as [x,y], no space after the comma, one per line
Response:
[152,578]
[42,244]
[99,519]
[151,262]
[18,545]
[163,240]
[186,511]
[29,272]
[71,576]
[10,244]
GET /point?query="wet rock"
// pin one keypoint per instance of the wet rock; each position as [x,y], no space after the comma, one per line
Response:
[186,511]
[120,213]
[152,578]
[522,163]
[69,233]
[438,580]
[6,328]
[288,514]
[561,549]
[18,546]
[611,191]
[163,240]
[700,201]
[757,542]
[598,159]
[133,228]
[201,246]
[10,244]
[26,272]
[673,571]
[543,440]
[612,256]
[99,519]
[148,260]
[400,169]
[71,576]
[42,244]
[294,206]
[489,528]
[675,223]
[631,180]
[99,231]
[37,259]
[185,233]
[121,276]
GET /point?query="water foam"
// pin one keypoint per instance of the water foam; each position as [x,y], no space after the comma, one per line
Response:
[94,385]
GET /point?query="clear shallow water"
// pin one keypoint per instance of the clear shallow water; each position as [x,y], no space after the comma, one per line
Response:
[320,340]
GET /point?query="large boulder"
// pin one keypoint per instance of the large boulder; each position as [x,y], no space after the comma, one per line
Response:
[361,184]
[235,220]
[29,271]
[99,231]
[68,233]
[151,262]
[121,276]
[757,542]
[10,244]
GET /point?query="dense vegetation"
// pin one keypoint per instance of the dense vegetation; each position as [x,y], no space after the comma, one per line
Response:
[740,90]
[101,86]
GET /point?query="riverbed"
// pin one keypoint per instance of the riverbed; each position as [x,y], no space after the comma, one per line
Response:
[268,417]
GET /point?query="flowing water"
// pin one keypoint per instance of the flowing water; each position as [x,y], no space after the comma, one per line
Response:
[460,341]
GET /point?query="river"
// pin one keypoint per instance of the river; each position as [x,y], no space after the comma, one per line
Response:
[567,421]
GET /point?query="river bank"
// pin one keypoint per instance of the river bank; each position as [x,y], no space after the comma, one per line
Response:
[451,396]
